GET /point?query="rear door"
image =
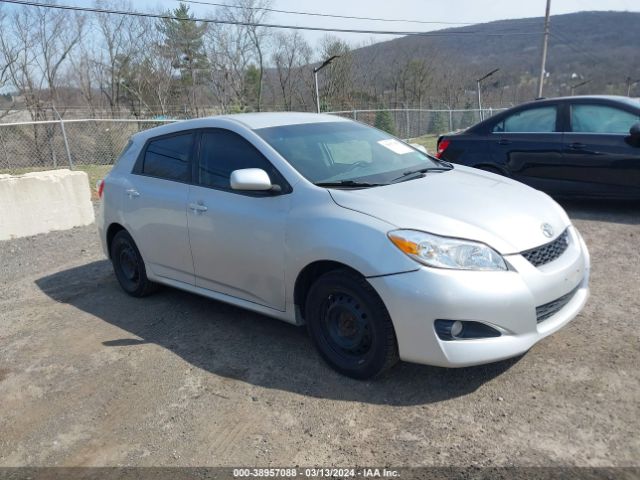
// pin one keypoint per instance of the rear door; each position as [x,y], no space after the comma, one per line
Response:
[237,238]
[528,143]
[155,205]
[599,157]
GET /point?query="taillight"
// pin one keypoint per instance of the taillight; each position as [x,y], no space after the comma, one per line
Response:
[442,146]
[100,188]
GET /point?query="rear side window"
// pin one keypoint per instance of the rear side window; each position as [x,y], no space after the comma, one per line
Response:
[222,152]
[601,119]
[533,120]
[168,157]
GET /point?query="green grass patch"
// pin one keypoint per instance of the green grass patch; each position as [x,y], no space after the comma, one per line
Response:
[427,141]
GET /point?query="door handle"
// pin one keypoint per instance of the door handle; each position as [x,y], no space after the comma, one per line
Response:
[132,192]
[198,207]
[504,141]
[577,146]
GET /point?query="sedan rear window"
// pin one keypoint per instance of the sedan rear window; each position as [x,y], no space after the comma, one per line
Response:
[534,120]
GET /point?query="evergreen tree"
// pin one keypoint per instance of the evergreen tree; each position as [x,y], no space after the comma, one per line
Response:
[439,123]
[184,45]
[384,121]
[252,87]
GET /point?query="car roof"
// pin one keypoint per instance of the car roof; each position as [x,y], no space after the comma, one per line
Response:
[252,121]
[573,98]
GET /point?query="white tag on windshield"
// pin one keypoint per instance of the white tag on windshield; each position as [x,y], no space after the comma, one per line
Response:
[395,146]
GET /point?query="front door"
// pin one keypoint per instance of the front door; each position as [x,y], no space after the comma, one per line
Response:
[237,238]
[598,153]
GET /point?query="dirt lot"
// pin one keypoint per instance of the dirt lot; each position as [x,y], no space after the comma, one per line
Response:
[89,376]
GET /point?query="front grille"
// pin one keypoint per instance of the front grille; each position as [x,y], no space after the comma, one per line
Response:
[549,252]
[549,309]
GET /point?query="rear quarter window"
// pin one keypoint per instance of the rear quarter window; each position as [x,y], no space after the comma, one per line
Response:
[168,157]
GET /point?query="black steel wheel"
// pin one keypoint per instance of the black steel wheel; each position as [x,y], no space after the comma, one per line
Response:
[129,266]
[350,325]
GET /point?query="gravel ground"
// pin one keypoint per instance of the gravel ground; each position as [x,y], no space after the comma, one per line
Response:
[91,377]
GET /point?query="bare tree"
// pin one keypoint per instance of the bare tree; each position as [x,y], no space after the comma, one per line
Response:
[148,79]
[8,58]
[291,54]
[41,40]
[246,42]
[337,87]
[229,52]
[119,39]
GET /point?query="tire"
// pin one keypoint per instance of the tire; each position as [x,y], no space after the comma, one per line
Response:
[350,326]
[129,266]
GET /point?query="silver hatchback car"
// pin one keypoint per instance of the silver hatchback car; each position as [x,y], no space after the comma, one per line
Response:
[384,252]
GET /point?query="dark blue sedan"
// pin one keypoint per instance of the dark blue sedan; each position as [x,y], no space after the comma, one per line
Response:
[583,146]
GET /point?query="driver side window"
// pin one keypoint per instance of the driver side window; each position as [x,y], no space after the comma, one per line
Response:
[222,152]
[533,120]
[601,119]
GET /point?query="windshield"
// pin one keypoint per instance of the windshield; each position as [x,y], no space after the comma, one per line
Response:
[335,152]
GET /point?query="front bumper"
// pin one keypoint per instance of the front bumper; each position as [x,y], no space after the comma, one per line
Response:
[506,301]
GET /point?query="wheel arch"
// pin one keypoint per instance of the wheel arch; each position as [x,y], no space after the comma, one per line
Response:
[113,229]
[310,274]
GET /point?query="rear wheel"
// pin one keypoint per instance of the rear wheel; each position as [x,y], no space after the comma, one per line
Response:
[129,266]
[350,325]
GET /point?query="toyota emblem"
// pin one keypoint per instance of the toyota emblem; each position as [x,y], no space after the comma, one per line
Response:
[547,230]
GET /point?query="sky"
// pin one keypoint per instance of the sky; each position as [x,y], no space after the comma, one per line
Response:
[469,11]
[451,12]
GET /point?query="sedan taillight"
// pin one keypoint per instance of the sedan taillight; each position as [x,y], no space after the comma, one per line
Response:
[442,146]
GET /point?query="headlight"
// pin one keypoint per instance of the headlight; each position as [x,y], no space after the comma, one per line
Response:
[444,252]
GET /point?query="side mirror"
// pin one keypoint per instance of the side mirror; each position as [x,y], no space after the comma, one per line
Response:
[417,146]
[634,131]
[251,179]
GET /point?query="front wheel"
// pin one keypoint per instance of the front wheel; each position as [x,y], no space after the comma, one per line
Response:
[350,325]
[129,266]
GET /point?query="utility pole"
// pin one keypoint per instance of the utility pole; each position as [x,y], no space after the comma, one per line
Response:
[478,87]
[315,77]
[545,41]
[631,83]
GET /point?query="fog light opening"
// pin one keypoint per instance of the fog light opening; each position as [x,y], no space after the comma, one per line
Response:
[463,330]
[456,329]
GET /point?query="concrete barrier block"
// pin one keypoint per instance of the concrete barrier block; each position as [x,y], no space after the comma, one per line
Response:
[40,202]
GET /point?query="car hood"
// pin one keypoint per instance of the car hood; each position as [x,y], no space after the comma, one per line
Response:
[464,203]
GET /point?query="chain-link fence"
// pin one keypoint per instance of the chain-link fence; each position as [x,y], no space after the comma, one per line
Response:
[57,144]
[414,122]
[69,143]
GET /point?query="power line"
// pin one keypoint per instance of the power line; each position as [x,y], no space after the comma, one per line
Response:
[330,15]
[568,43]
[315,14]
[265,25]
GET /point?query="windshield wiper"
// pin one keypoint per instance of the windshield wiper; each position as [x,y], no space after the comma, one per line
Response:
[419,172]
[349,183]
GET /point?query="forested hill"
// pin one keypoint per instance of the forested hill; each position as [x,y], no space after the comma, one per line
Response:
[600,47]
